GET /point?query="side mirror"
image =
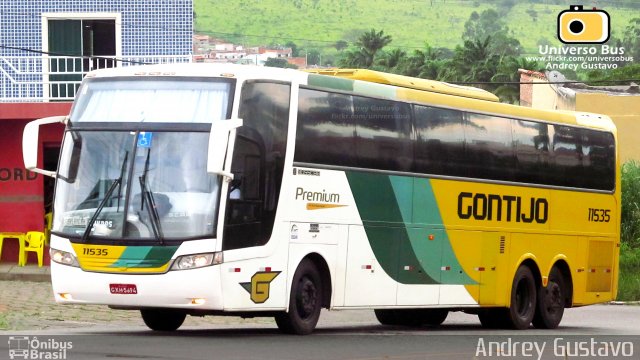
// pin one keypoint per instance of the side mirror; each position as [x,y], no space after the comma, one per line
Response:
[30,143]
[221,140]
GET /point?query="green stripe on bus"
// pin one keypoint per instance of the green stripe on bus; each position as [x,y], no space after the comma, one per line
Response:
[145,256]
[373,89]
[385,227]
[330,82]
[399,214]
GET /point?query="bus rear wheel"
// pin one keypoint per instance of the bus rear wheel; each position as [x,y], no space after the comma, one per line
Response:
[305,302]
[550,307]
[163,319]
[523,299]
[495,318]
[433,317]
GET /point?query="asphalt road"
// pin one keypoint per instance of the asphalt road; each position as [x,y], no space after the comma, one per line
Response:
[601,332]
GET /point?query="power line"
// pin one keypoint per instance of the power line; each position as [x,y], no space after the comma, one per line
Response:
[75,56]
[540,82]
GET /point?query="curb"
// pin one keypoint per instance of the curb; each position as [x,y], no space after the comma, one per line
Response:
[13,272]
[25,277]
[624,303]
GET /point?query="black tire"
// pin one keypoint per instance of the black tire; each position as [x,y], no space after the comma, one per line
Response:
[551,300]
[386,317]
[305,301]
[523,299]
[411,317]
[433,317]
[493,318]
[163,319]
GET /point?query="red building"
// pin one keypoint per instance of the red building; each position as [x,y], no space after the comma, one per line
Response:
[25,197]
[46,47]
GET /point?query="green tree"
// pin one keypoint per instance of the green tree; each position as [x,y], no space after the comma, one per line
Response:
[631,40]
[366,48]
[427,64]
[341,45]
[630,217]
[353,58]
[473,62]
[389,60]
[621,73]
[295,52]
[313,57]
[279,62]
[507,72]
[491,24]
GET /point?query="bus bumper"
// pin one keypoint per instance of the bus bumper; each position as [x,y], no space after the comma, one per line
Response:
[195,289]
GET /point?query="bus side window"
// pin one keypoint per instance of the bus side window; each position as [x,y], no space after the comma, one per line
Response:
[383,134]
[326,129]
[244,211]
[439,141]
[567,155]
[599,160]
[258,164]
[532,152]
[489,147]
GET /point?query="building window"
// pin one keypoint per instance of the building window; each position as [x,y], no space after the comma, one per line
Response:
[92,40]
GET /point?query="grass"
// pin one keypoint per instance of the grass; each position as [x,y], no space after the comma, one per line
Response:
[4,322]
[629,280]
[411,23]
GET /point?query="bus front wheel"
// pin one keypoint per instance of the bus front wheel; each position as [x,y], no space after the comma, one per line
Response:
[550,307]
[163,319]
[305,302]
[523,299]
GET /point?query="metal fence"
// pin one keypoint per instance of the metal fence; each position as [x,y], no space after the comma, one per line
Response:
[57,78]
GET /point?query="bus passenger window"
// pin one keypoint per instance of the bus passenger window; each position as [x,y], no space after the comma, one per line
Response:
[567,154]
[599,160]
[532,152]
[326,132]
[489,147]
[439,142]
[383,131]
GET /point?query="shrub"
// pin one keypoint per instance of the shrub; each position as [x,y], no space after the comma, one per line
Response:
[630,217]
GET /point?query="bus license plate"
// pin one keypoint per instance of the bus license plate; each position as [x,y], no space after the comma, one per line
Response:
[123,289]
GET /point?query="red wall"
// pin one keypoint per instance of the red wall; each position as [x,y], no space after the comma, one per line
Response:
[21,192]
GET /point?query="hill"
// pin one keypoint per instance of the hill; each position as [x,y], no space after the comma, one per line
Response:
[319,24]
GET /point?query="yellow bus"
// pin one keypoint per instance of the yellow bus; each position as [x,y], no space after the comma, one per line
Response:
[201,189]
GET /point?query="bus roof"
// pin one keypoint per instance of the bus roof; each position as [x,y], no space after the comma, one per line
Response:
[408,82]
[431,92]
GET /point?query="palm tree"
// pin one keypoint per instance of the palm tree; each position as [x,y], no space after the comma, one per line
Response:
[390,60]
[353,59]
[370,43]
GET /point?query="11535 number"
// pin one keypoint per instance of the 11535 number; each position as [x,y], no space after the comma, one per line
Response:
[599,215]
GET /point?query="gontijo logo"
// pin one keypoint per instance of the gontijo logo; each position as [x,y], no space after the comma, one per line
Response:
[580,26]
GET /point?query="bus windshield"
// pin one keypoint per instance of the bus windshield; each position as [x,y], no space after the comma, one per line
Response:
[135,185]
[117,183]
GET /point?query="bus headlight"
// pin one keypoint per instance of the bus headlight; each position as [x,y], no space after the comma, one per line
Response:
[63,257]
[195,261]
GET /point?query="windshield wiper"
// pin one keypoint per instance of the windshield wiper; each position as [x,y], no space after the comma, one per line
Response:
[124,164]
[147,196]
[107,196]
